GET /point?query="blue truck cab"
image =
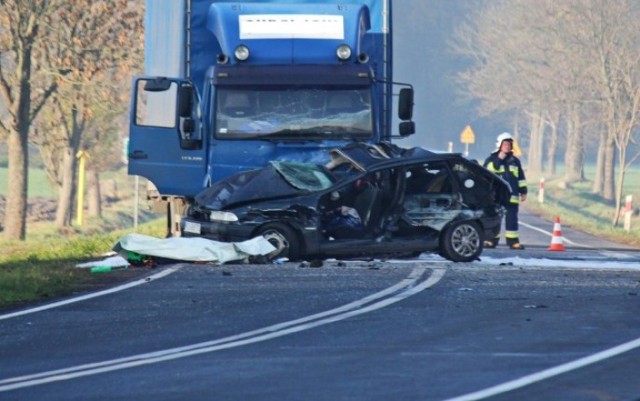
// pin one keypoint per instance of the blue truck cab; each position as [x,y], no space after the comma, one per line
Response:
[231,85]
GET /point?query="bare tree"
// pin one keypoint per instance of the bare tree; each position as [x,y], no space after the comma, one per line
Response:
[607,34]
[569,60]
[520,64]
[105,145]
[99,43]
[24,89]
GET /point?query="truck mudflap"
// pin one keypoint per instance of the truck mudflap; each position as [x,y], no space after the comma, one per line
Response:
[174,207]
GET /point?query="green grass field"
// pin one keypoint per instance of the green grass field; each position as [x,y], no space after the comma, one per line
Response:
[578,206]
[43,266]
[39,184]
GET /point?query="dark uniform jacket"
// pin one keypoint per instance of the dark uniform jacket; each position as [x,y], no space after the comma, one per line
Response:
[511,171]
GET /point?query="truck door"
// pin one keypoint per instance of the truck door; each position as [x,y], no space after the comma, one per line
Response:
[166,141]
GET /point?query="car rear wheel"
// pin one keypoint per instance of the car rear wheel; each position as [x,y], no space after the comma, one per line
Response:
[461,242]
[283,238]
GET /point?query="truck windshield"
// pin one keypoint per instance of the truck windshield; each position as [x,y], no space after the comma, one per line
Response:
[293,112]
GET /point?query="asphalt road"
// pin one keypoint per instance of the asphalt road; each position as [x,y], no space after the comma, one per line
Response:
[420,329]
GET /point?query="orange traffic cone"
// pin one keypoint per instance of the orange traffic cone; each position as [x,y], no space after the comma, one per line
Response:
[556,238]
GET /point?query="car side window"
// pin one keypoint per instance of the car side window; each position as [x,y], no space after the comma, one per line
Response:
[432,178]
[474,188]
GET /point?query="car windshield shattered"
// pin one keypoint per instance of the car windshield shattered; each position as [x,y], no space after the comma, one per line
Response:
[304,176]
[293,112]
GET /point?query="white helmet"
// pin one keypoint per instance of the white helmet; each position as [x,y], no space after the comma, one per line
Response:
[505,136]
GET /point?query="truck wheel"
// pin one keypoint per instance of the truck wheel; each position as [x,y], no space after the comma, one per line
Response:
[283,238]
[461,242]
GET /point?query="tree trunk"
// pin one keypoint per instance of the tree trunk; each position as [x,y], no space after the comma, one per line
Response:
[574,156]
[15,219]
[536,140]
[608,190]
[552,149]
[69,173]
[94,195]
[66,190]
[598,180]
[622,163]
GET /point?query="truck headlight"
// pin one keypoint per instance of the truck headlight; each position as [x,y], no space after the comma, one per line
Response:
[241,53]
[343,52]
[222,216]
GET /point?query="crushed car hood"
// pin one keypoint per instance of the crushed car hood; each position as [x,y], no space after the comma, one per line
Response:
[276,180]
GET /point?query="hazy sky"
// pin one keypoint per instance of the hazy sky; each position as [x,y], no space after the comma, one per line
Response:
[422,31]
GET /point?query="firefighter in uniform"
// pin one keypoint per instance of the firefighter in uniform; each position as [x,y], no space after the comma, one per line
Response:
[503,163]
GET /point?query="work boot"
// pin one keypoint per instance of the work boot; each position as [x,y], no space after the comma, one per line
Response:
[516,245]
[490,244]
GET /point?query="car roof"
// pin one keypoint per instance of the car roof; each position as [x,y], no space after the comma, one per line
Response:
[365,157]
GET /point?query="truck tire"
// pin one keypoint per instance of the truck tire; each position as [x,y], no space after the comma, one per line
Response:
[283,238]
[461,241]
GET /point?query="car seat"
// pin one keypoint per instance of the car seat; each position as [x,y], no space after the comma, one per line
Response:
[369,206]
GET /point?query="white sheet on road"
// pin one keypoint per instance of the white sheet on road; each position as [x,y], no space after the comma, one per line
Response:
[194,249]
[114,261]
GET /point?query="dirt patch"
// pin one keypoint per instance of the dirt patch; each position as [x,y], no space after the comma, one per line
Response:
[38,209]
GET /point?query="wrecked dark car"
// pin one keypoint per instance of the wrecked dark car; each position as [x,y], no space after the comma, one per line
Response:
[369,200]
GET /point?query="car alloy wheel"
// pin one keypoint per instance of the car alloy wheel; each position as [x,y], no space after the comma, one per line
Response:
[461,242]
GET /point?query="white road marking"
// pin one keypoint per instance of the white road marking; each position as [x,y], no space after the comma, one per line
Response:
[388,296]
[550,234]
[145,280]
[548,373]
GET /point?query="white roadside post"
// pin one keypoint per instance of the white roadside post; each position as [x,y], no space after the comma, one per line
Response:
[541,191]
[628,211]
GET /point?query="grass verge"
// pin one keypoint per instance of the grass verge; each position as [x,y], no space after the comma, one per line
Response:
[578,207]
[43,266]
[38,270]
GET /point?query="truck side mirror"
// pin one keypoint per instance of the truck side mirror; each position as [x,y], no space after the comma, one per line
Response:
[185,101]
[157,85]
[407,128]
[405,104]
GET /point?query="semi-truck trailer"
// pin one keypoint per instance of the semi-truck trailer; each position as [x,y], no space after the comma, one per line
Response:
[230,86]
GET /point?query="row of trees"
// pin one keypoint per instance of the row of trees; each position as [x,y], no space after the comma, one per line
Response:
[64,73]
[566,73]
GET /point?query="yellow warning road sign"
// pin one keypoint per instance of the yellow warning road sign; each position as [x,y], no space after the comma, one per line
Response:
[467,135]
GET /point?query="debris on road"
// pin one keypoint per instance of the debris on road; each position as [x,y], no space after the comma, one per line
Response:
[113,262]
[106,269]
